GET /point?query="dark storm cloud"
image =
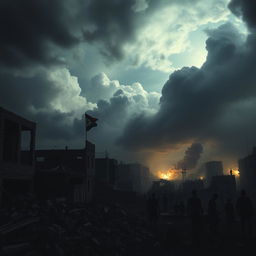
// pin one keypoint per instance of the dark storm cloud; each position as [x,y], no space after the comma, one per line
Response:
[21,93]
[33,31]
[246,9]
[35,99]
[39,32]
[112,115]
[195,101]
[113,22]
[30,30]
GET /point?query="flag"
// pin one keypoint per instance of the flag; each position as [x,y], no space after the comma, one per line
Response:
[90,122]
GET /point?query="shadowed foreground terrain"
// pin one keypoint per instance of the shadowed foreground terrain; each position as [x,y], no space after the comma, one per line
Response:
[56,228]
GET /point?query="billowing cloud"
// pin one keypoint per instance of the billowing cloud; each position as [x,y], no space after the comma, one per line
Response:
[36,32]
[140,5]
[52,99]
[113,111]
[42,32]
[245,9]
[167,31]
[41,40]
[200,104]
[30,30]
[102,88]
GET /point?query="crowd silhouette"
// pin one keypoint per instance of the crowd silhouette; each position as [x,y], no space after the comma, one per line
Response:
[195,212]
[233,218]
[245,212]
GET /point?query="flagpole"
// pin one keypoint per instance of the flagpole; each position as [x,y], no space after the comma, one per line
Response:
[85,130]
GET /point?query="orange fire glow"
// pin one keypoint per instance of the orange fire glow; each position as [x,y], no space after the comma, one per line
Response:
[235,172]
[170,174]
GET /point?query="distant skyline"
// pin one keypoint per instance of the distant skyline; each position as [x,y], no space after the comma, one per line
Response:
[159,75]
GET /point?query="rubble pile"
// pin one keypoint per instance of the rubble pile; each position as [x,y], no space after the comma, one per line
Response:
[56,228]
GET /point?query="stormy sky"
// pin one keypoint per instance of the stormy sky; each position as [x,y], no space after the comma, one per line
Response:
[160,75]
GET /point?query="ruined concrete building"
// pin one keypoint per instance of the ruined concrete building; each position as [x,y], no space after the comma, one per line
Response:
[17,149]
[133,177]
[66,173]
[247,170]
[106,170]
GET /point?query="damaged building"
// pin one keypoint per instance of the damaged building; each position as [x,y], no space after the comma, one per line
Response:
[133,177]
[17,151]
[247,170]
[66,173]
[105,176]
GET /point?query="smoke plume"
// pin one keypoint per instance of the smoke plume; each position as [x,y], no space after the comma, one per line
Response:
[192,155]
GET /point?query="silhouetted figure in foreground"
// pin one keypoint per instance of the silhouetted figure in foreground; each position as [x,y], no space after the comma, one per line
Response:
[213,215]
[165,203]
[181,208]
[245,211]
[229,215]
[176,208]
[195,212]
[153,209]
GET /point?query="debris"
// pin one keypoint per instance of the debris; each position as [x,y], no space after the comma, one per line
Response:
[61,229]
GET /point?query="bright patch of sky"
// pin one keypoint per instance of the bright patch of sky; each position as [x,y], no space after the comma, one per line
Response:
[174,30]
[174,37]
[195,54]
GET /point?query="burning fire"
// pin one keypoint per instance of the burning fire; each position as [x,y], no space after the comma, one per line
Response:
[235,172]
[170,174]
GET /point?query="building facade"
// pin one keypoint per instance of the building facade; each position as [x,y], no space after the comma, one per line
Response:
[17,151]
[213,168]
[133,177]
[70,168]
[224,185]
[247,171]
[106,170]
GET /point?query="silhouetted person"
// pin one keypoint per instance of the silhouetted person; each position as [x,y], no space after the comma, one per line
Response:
[195,212]
[229,215]
[165,203]
[176,208]
[153,209]
[245,212]
[181,207]
[213,214]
